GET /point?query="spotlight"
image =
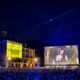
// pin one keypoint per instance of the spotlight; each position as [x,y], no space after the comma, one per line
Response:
[51,20]
[9,59]
[35,60]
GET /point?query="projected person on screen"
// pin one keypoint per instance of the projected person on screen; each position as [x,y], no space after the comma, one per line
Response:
[61,56]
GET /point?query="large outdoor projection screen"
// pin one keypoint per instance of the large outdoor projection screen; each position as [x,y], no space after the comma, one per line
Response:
[61,55]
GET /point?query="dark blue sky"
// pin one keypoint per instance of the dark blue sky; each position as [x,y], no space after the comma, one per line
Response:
[34,19]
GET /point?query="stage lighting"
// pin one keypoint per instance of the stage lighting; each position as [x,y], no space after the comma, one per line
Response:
[9,59]
[36,60]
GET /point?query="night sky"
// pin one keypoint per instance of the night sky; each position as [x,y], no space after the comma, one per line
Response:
[53,22]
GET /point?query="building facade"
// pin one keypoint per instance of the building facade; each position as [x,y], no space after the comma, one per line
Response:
[13,54]
[28,57]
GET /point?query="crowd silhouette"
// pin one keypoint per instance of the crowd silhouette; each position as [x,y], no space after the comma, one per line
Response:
[40,74]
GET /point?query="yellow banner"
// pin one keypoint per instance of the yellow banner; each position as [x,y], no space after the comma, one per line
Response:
[14,49]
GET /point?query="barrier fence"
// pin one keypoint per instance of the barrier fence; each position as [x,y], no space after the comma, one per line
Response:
[16,65]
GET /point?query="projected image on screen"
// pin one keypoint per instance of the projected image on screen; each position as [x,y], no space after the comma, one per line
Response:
[61,55]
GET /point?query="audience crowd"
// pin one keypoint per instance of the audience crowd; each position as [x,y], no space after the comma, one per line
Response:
[40,74]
